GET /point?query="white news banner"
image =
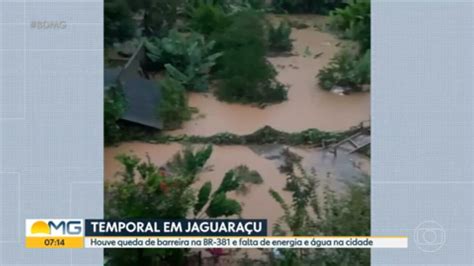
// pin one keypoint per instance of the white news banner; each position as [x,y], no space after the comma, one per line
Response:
[248,242]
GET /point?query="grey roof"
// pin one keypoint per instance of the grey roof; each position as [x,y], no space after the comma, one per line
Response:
[143,98]
[142,95]
[111,76]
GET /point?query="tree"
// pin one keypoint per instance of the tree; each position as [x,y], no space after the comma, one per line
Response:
[118,22]
[245,74]
[173,109]
[159,16]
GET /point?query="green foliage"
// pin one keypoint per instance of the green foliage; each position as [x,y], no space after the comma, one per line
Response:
[146,190]
[207,18]
[114,107]
[353,22]
[246,176]
[265,135]
[203,197]
[305,6]
[279,37]
[347,69]
[309,214]
[222,206]
[160,16]
[189,162]
[118,23]
[187,58]
[152,195]
[246,75]
[173,108]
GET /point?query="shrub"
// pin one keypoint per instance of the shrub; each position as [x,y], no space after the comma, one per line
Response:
[248,78]
[347,70]
[246,75]
[207,18]
[279,37]
[189,162]
[118,23]
[160,16]
[313,214]
[353,22]
[188,59]
[154,192]
[114,107]
[173,108]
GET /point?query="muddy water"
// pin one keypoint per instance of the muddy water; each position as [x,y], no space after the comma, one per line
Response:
[257,202]
[307,106]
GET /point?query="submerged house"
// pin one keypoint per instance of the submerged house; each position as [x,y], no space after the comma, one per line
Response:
[141,94]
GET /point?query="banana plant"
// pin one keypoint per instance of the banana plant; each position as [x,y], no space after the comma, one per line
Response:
[188,59]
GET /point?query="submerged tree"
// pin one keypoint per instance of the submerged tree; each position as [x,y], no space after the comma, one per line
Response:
[244,72]
[173,109]
[149,191]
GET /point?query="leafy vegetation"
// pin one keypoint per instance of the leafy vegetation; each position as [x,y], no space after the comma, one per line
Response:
[309,214]
[347,70]
[265,135]
[187,58]
[245,74]
[279,37]
[147,190]
[114,107]
[173,108]
[119,25]
[159,16]
[207,18]
[353,22]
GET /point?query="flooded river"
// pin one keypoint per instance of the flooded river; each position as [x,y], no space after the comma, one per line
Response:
[307,106]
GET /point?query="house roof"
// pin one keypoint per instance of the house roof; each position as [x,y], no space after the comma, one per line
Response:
[143,98]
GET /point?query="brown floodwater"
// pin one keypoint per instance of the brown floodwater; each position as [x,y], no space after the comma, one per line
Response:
[307,106]
[257,202]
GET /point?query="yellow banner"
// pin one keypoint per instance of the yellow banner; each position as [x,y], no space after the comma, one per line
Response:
[54,242]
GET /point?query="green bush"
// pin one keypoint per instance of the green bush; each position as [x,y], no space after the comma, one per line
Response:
[207,18]
[187,58]
[245,74]
[160,16]
[118,23]
[279,39]
[114,107]
[347,70]
[173,108]
[353,22]
[146,190]
[311,214]
[248,78]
